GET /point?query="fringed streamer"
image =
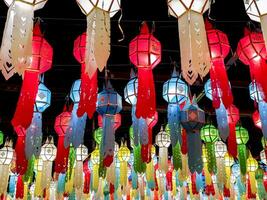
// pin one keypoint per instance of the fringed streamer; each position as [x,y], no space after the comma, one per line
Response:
[46,175]
[195,58]
[222,121]
[69,180]
[117,175]
[123,173]
[211,158]
[25,106]
[109,137]
[252,182]
[88,95]
[87,176]
[61,160]
[61,183]
[185,171]
[97,41]
[38,191]
[163,159]
[110,177]
[21,161]
[241,187]
[184,142]
[95,178]
[177,158]
[20,188]
[194,146]
[4,175]
[250,194]
[214,89]
[79,194]
[135,127]
[220,173]
[72,156]
[174,123]
[78,175]
[169,180]
[34,136]
[231,142]
[12,185]
[150,175]
[28,176]
[263,116]
[139,165]
[199,182]
[146,102]
[242,158]
[134,180]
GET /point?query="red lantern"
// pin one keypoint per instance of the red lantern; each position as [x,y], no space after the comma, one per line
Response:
[61,125]
[145,54]
[256,119]
[233,118]
[42,54]
[219,49]
[88,95]
[251,51]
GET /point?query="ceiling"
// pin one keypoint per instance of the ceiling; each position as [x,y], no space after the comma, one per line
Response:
[62,23]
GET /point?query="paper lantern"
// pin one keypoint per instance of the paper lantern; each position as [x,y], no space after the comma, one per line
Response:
[130,90]
[209,134]
[192,119]
[242,138]
[260,117]
[43,98]
[163,141]
[263,157]
[195,58]
[219,48]
[257,10]
[109,104]
[252,166]
[145,54]
[123,156]
[88,88]
[41,61]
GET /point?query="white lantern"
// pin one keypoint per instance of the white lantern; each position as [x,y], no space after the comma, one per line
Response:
[263,157]
[220,149]
[81,153]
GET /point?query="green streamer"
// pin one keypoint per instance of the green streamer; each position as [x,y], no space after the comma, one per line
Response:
[139,165]
[242,157]
[259,178]
[102,169]
[211,158]
[28,176]
[72,157]
[176,156]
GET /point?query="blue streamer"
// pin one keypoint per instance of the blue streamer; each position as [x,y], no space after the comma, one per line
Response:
[263,117]
[174,123]
[61,183]
[134,179]
[199,181]
[12,185]
[108,135]
[135,127]
[222,121]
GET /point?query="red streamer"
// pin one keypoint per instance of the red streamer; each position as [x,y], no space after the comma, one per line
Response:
[24,110]
[226,192]
[233,118]
[61,161]
[19,188]
[87,175]
[169,180]
[250,195]
[194,185]
[184,142]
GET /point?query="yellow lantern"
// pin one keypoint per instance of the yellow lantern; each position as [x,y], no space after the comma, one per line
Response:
[95,156]
[81,155]
[195,58]
[252,166]
[123,156]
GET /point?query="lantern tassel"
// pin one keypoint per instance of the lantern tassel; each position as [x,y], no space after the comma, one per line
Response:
[222,121]
[232,146]
[21,161]
[146,103]
[20,188]
[174,123]
[24,110]
[61,160]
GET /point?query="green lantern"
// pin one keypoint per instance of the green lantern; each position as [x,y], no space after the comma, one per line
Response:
[241,140]
[98,135]
[1,137]
[209,134]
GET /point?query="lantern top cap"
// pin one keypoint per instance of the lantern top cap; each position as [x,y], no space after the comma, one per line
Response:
[144,28]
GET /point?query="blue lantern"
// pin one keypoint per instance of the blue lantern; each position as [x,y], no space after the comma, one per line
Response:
[257,95]
[75,132]
[109,103]
[192,119]
[221,113]
[34,133]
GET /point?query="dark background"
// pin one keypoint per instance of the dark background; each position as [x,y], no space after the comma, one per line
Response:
[62,22]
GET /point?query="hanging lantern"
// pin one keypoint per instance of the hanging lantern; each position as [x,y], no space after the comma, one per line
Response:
[123,156]
[242,138]
[145,54]
[220,151]
[41,61]
[192,119]
[263,157]
[257,95]
[61,125]
[195,58]
[81,155]
[251,51]
[48,155]
[209,134]
[97,47]
[163,141]
[88,90]
[108,105]
[6,156]
[252,166]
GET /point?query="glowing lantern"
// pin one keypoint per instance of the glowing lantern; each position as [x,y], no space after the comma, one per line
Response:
[61,125]
[192,119]
[130,90]
[88,90]
[241,140]
[41,61]
[81,155]
[145,54]
[252,166]
[16,49]
[48,155]
[6,156]
[97,47]
[195,58]
[220,151]
[108,105]
[209,134]
[123,156]
[252,51]
[219,49]
[257,10]
[163,141]
[259,118]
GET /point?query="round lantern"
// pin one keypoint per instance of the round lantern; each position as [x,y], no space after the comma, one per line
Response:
[48,151]
[220,149]
[62,123]
[130,90]
[43,98]
[252,164]
[98,135]
[123,153]
[81,153]
[242,136]
[6,154]
[209,134]
[38,4]
[175,90]
[75,91]
[163,139]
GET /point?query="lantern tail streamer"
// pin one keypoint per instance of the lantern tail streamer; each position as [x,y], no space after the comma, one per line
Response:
[174,123]
[215,93]
[242,158]
[21,161]
[24,110]
[222,121]
[263,116]
[109,143]
[61,161]
[20,188]
[194,152]
[212,166]
[163,159]
[4,172]
[135,127]
[97,41]
[146,103]
[231,143]
[177,158]
[78,174]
